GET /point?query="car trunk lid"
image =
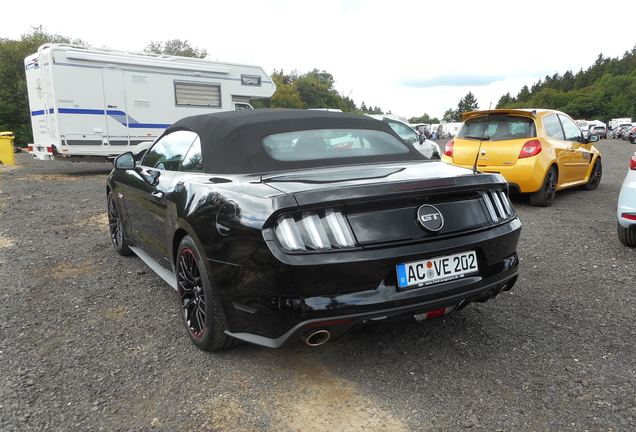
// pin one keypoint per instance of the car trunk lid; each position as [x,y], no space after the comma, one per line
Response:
[381,202]
[491,153]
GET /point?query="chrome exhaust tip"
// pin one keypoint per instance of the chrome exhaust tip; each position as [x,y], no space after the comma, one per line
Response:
[317,337]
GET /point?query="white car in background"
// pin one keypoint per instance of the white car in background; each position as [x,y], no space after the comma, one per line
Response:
[428,148]
[626,212]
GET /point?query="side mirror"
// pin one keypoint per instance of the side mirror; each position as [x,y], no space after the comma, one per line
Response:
[421,138]
[125,161]
[592,138]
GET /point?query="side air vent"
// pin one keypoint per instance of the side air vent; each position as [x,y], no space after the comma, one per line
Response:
[498,205]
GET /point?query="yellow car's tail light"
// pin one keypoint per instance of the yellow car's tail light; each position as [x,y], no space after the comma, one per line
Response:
[530,148]
[448,148]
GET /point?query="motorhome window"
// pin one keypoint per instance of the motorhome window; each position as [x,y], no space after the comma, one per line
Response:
[193,160]
[242,106]
[252,80]
[197,94]
[320,144]
[169,151]
[498,127]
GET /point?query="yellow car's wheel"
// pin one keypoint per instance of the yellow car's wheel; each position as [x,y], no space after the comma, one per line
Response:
[595,177]
[544,197]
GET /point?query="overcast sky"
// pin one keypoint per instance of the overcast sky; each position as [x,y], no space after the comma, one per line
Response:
[407,56]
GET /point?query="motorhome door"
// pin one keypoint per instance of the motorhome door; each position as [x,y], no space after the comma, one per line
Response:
[115,107]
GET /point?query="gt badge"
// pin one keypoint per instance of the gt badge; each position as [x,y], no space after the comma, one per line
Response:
[430,218]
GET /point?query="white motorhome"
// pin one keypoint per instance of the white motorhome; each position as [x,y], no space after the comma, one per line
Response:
[88,102]
[451,129]
[616,122]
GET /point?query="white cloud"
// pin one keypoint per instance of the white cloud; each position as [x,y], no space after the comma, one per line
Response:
[371,47]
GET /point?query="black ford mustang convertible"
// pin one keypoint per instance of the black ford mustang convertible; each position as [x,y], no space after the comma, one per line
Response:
[276,225]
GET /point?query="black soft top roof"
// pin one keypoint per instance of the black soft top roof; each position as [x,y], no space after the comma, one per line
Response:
[231,142]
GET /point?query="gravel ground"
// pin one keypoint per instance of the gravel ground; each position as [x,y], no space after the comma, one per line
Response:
[90,340]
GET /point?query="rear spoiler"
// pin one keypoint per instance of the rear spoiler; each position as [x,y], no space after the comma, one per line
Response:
[521,112]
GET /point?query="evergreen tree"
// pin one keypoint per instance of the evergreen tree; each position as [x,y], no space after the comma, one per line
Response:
[467,103]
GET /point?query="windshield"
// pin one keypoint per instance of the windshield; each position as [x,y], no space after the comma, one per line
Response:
[498,127]
[320,144]
[405,132]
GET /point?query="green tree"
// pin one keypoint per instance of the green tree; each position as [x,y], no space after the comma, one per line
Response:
[424,118]
[14,102]
[314,89]
[176,47]
[505,100]
[524,94]
[467,103]
[605,90]
[451,115]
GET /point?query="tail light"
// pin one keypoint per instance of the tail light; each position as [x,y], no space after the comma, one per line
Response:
[530,148]
[629,216]
[632,162]
[30,148]
[49,150]
[448,148]
[314,231]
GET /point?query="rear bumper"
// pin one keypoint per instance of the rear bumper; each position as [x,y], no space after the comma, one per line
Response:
[627,199]
[340,324]
[271,302]
[525,175]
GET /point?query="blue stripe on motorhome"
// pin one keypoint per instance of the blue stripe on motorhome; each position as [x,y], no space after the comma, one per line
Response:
[120,116]
[79,111]
[148,125]
[41,112]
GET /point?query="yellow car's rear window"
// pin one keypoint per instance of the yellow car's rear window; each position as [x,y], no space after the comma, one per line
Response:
[498,127]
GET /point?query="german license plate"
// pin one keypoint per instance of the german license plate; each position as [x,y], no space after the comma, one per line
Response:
[437,270]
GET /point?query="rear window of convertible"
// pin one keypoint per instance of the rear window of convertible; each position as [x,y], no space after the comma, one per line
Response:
[318,144]
[498,127]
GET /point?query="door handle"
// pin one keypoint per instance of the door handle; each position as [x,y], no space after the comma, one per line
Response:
[157,194]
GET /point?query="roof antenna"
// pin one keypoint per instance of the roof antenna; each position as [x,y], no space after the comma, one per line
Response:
[483,132]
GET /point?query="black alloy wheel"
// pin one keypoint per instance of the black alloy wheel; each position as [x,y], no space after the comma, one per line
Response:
[200,310]
[595,176]
[191,293]
[116,228]
[545,196]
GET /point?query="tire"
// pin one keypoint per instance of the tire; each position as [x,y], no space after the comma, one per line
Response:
[545,196]
[595,176]
[199,304]
[627,236]
[116,228]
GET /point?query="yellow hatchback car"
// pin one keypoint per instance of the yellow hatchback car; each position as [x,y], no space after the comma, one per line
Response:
[538,151]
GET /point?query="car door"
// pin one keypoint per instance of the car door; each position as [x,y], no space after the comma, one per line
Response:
[146,203]
[556,137]
[579,150]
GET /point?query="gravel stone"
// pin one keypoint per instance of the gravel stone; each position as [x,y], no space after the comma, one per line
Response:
[90,340]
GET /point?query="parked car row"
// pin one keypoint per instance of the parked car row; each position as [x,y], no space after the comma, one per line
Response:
[625,131]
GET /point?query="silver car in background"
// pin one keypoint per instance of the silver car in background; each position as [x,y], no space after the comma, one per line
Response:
[428,148]
[626,212]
